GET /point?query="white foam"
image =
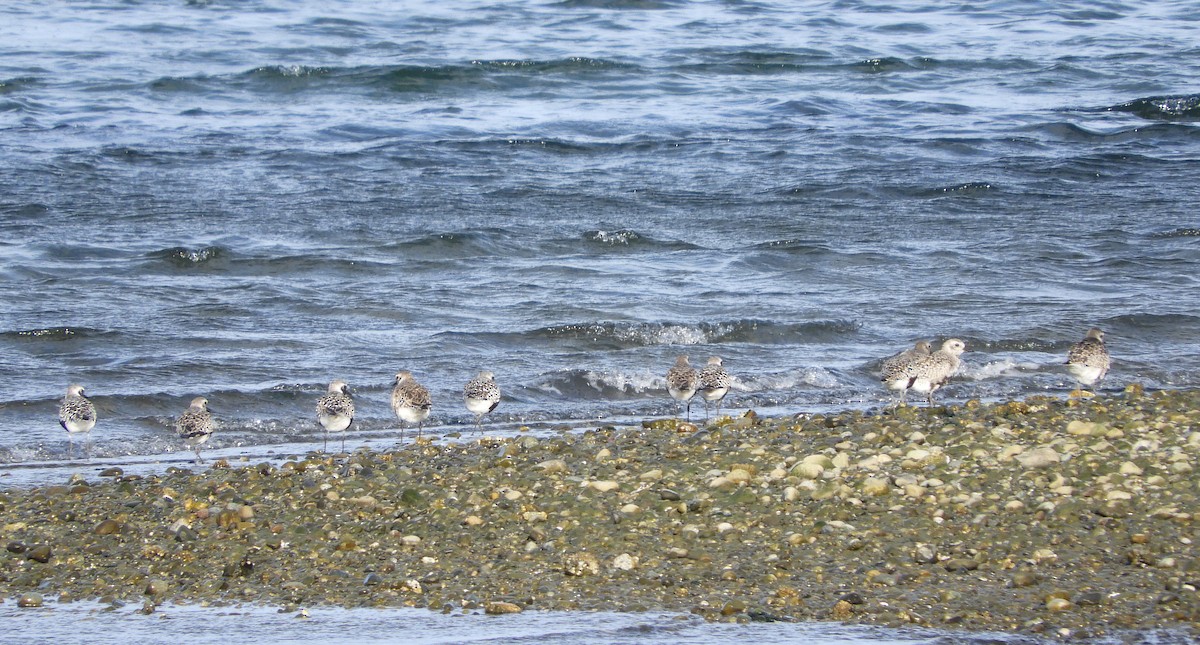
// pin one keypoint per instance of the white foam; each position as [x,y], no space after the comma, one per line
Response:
[808,376]
[632,383]
[998,369]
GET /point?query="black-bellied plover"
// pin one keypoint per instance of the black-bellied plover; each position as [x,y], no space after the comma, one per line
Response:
[1088,360]
[930,372]
[714,384]
[894,371]
[335,411]
[76,415]
[682,382]
[410,401]
[195,425]
[481,395]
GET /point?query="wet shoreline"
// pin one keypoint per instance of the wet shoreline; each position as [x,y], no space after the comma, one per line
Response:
[1042,516]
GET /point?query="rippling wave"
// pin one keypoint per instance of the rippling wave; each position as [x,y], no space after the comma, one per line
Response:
[739,331]
[1167,108]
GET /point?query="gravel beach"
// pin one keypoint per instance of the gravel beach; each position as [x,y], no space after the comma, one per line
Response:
[1044,516]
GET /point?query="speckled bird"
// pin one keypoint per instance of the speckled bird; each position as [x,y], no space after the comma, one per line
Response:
[931,372]
[682,382]
[481,395]
[335,411]
[410,401]
[76,415]
[1088,360]
[195,425]
[894,371]
[714,384]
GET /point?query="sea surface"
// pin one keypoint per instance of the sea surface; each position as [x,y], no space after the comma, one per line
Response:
[55,624]
[245,199]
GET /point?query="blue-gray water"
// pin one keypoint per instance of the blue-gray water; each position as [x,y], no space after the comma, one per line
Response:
[245,199]
[58,623]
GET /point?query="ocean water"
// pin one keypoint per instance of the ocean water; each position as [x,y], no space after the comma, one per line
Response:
[56,623]
[245,199]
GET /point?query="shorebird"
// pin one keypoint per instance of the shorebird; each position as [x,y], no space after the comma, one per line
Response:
[410,401]
[481,395]
[929,373]
[682,383]
[894,371]
[714,384]
[195,425]
[76,415]
[1088,360]
[335,411]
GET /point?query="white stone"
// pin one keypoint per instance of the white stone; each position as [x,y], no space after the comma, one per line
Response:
[625,562]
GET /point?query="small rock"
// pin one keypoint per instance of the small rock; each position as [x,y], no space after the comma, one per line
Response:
[961,564]
[1045,556]
[107,527]
[40,553]
[1040,457]
[1058,604]
[553,466]
[842,610]
[733,607]
[925,554]
[875,486]
[624,562]
[739,476]
[806,470]
[30,600]
[603,486]
[498,607]
[854,598]
[157,587]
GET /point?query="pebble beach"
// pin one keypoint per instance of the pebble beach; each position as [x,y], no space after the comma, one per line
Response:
[1064,518]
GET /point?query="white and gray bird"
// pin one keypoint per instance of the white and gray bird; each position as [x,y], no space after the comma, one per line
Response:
[1088,360]
[931,372]
[410,401]
[76,415]
[714,384]
[682,382]
[894,371]
[335,411]
[195,425]
[481,395]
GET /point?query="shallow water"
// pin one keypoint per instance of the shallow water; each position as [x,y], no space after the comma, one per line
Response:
[202,625]
[246,200]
